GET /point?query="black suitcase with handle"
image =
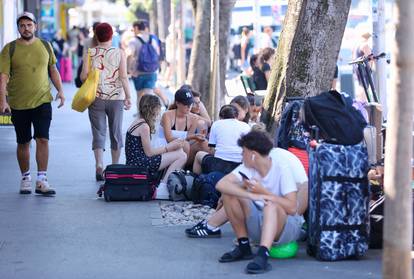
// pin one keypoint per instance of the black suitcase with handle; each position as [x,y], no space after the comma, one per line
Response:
[126,183]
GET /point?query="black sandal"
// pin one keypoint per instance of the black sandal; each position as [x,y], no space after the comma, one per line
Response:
[258,265]
[235,255]
[98,174]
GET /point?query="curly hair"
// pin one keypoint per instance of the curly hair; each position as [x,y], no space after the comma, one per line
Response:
[258,141]
[149,107]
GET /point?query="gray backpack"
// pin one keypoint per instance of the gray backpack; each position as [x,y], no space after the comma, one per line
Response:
[179,184]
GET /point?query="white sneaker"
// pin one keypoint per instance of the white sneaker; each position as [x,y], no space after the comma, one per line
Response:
[162,192]
[43,187]
[26,186]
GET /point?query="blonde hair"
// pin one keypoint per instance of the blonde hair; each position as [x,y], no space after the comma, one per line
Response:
[149,108]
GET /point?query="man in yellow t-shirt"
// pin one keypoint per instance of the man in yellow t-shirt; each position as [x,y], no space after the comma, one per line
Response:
[25,67]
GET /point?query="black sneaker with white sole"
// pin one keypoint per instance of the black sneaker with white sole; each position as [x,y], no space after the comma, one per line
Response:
[201,230]
[196,226]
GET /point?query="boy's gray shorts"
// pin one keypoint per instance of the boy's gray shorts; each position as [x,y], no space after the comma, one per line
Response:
[291,231]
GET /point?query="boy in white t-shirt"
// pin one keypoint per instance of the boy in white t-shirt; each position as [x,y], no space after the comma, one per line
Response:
[260,200]
[225,154]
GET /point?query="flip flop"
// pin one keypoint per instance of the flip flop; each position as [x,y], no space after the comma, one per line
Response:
[235,255]
[258,265]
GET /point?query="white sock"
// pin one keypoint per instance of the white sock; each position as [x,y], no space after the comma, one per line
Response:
[211,228]
[26,175]
[41,175]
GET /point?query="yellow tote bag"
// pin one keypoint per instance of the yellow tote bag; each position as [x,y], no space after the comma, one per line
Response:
[87,92]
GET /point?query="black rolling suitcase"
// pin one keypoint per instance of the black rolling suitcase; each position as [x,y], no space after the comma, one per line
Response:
[126,183]
[339,196]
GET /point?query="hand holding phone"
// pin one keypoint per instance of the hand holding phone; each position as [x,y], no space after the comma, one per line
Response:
[243,175]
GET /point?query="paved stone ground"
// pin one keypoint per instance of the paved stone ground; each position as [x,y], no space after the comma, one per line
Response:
[76,235]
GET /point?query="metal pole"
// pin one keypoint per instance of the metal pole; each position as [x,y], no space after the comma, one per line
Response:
[378,40]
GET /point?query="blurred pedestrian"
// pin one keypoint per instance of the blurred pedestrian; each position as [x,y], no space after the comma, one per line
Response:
[26,65]
[143,59]
[112,96]
[245,45]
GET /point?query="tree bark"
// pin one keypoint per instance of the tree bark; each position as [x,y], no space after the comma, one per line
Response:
[173,65]
[226,8]
[180,43]
[215,91]
[198,77]
[161,21]
[153,15]
[398,227]
[194,6]
[305,59]
[198,74]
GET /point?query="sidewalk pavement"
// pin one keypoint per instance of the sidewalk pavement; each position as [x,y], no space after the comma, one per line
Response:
[76,235]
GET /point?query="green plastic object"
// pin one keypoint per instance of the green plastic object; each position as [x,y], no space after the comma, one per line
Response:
[284,251]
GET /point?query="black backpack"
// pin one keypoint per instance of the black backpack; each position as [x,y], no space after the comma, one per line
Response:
[78,81]
[291,131]
[338,121]
[204,189]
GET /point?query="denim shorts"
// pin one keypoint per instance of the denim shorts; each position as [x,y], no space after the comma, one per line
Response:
[23,120]
[145,81]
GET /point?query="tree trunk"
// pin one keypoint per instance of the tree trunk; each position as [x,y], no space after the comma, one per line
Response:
[194,6]
[161,21]
[180,44]
[198,74]
[167,15]
[215,92]
[304,64]
[226,8]
[398,227]
[153,15]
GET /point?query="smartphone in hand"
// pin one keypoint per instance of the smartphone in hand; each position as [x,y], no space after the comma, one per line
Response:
[243,175]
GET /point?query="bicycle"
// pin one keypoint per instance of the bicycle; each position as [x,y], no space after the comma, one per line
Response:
[365,74]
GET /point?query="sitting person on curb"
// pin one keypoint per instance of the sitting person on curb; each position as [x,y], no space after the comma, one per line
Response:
[211,227]
[200,110]
[260,200]
[255,108]
[225,154]
[179,123]
[138,149]
[243,107]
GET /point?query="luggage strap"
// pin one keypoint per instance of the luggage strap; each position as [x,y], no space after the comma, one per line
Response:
[346,179]
[133,176]
[361,227]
